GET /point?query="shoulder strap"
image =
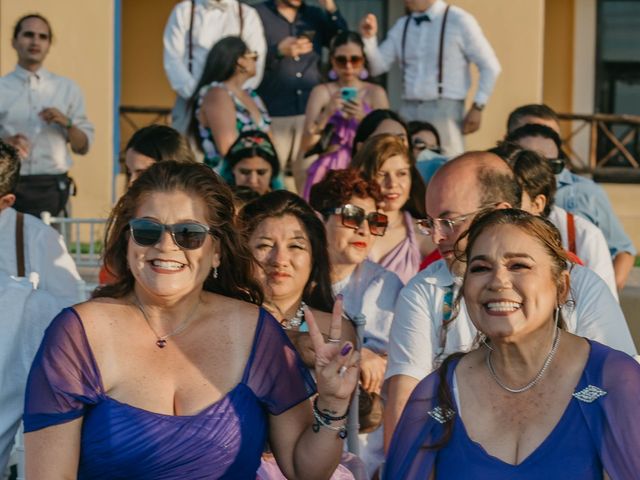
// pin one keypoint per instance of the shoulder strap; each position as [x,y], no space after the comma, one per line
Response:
[20,243]
[571,232]
[441,51]
[241,16]
[193,11]
[403,61]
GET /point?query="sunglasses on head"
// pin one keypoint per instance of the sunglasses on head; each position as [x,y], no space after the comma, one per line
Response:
[188,235]
[355,60]
[353,216]
[556,164]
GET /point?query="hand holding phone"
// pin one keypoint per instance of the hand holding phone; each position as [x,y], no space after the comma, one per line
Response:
[349,94]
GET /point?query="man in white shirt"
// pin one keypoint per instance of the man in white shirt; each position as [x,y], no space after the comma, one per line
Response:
[34,287]
[40,113]
[434,47]
[195,26]
[424,332]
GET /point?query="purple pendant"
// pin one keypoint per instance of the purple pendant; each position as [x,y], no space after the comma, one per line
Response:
[161,343]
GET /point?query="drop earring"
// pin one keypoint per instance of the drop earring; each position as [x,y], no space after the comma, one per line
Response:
[364,74]
[332,75]
[215,272]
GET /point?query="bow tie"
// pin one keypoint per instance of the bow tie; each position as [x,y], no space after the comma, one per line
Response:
[422,18]
[216,5]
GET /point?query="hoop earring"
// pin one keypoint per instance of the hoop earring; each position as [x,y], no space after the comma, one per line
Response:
[364,74]
[557,315]
[483,340]
[215,272]
[332,75]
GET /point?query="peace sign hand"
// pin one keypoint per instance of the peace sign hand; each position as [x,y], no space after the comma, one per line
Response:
[336,364]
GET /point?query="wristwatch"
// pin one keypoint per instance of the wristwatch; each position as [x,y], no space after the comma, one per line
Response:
[478,106]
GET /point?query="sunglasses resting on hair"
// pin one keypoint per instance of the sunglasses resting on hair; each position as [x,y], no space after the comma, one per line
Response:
[188,235]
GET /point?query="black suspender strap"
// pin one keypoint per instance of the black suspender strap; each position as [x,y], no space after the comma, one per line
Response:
[20,243]
[241,16]
[403,60]
[193,12]
[441,52]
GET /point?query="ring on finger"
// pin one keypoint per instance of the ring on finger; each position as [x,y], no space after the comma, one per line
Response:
[342,370]
[333,340]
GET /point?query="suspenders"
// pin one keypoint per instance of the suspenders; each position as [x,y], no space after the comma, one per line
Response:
[193,9]
[440,50]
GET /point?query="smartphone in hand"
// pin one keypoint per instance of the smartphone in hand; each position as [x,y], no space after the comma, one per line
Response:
[349,94]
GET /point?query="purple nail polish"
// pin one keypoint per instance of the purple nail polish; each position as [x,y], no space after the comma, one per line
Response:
[346,349]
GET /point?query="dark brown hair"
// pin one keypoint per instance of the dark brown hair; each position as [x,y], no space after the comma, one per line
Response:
[317,292]
[339,186]
[536,177]
[235,273]
[377,150]
[538,228]
[17,28]
[9,168]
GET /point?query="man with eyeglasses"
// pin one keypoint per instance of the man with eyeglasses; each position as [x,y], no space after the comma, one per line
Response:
[434,46]
[576,194]
[424,332]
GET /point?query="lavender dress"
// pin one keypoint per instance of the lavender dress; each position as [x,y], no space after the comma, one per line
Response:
[404,259]
[224,440]
[339,156]
[600,429]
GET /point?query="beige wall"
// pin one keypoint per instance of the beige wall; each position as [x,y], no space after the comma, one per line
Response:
[515,29]
[82,50]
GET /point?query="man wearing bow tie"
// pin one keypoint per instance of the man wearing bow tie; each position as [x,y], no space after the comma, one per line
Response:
[434,46]
[192,29]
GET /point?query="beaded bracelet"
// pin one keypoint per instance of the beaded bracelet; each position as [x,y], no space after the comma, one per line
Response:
[320,422]
[328,418]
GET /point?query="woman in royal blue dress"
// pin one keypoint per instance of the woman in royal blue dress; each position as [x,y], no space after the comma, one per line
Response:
[533,401]
[173,371]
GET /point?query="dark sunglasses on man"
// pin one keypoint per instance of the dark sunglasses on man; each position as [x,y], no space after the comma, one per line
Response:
[556,164]
[353,216]
[188,235]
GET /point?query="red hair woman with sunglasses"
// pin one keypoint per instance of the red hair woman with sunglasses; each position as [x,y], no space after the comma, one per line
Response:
[174,371]
[350,206]
[340,104]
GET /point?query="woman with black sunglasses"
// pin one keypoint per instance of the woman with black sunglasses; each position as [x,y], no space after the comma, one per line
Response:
[174,371]
[338,105]
[354,221]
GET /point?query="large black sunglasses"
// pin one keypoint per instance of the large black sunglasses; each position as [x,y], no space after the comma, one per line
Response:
[188,235]
[556,164]
[353,216]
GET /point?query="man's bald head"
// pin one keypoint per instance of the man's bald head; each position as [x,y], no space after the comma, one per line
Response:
[462,187]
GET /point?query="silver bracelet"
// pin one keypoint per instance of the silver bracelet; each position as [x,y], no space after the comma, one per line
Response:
[321,422]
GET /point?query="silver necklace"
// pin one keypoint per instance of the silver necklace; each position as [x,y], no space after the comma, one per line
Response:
[296,320]
[536,379]
[161,340]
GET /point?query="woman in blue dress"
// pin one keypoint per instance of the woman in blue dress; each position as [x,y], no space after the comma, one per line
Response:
[174,371]
[533,401]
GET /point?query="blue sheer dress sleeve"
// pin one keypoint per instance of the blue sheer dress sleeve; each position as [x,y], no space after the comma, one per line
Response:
[277,375]
[64,378]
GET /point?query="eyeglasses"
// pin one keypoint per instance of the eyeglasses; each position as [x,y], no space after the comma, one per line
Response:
[446,226]
[188,235]
[556,164]
[356,60]
[419,144]
[252,55]
[353,216]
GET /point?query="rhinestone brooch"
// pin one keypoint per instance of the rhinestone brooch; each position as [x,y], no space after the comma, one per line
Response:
[441,415]
[589,394]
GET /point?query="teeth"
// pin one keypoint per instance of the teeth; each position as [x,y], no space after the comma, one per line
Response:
[503,306]
[167,264]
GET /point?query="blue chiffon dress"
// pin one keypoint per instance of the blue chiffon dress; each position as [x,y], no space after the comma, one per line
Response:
[599,430]
[118,441]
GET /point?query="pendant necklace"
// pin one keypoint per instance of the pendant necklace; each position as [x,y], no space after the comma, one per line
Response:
[161,340]
[295,321]
[536,379]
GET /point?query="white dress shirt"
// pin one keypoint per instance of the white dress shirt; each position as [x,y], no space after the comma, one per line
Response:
[371,290]
[464,43]
[591,246]
[23,95]
[44,253]
[415,346]
[211,22]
